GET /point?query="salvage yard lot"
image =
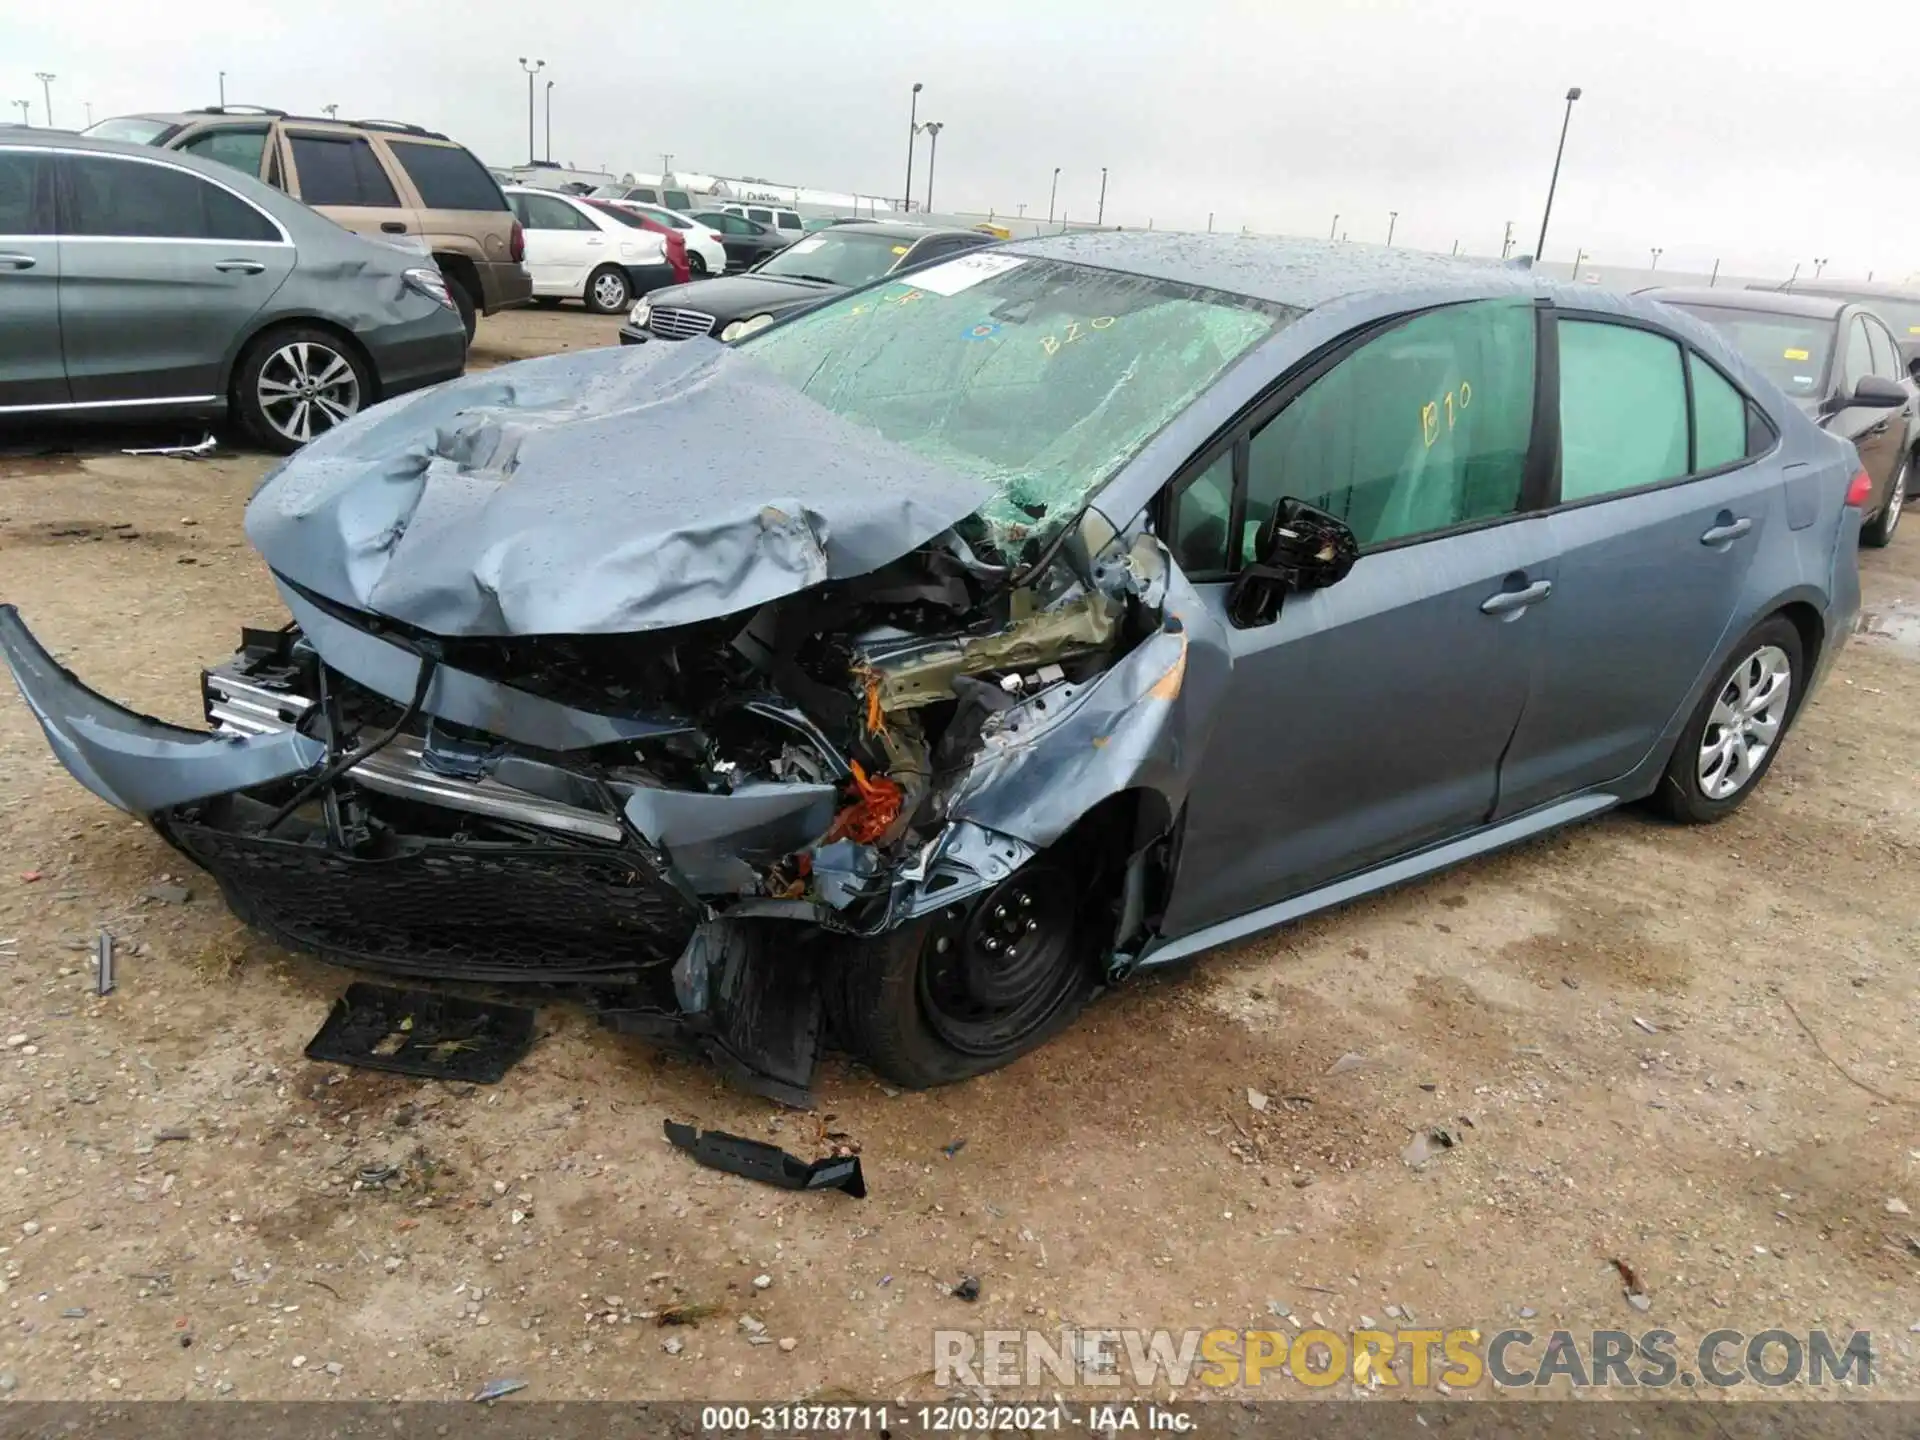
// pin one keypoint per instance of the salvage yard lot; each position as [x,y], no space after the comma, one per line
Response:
[181,1174]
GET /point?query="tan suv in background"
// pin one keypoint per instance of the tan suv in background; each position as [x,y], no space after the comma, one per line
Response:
[378,177]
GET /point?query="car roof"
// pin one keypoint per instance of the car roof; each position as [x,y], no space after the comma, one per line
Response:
[214,112]
[1769,302]
[1305,274]
[1860,290]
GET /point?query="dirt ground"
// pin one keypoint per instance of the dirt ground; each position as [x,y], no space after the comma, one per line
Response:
[182,1217]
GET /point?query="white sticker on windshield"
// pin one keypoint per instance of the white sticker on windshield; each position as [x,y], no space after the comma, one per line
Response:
[963,273]
[801,247]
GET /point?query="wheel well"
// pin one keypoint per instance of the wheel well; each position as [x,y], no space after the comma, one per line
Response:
[305,322]
[460,268]
[1805,619]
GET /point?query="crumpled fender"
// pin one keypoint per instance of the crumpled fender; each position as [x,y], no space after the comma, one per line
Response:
[1143,724]
[133,761]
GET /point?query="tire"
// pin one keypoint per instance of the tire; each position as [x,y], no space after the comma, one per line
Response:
[1698,788]
[696,265]
[294,383]
[928,1005]
[1880,531]
[464,302]
[608,291]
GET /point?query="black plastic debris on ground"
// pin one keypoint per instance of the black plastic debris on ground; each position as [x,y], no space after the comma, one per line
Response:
[418,1032]
[768,1164]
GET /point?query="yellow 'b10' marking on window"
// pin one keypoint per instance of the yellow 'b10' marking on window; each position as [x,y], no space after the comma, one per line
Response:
[1447,408]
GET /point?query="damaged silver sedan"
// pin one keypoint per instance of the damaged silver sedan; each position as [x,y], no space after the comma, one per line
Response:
[913,668]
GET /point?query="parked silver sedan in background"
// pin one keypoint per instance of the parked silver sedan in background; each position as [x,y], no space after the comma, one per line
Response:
[143,284]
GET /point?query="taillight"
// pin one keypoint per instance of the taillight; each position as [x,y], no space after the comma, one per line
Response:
[1860,489]
[517,244]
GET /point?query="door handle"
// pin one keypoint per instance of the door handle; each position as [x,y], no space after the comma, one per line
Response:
[17,262]
[244,267]
[1733,530]
[1508,601]
[394,227]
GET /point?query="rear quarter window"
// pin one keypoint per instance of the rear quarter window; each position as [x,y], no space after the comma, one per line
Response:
[447,177]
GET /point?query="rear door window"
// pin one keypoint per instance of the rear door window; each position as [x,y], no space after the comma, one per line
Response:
[240,146]
[1623,409]
[790,221]
[678,200]
[340,170]
[765,217]
[131,200]
[447,177]
[23,208]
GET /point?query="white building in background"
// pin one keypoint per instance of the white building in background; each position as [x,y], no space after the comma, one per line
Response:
[766,192]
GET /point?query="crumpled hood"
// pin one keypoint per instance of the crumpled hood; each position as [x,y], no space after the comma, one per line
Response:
[608,491]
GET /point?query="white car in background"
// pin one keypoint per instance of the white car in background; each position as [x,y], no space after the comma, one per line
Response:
[705,254]
[772,216]
[575,252]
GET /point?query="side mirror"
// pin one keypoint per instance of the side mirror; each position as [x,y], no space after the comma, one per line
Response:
[1299,548]
[1876,392]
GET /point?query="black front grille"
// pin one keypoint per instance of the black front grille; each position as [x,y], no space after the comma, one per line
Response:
[460,911]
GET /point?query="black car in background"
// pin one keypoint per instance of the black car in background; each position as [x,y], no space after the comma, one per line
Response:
[1900,308]
[1838,361]
[747,242]
[814,268]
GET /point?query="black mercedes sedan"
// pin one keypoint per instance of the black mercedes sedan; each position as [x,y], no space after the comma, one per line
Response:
[820,266]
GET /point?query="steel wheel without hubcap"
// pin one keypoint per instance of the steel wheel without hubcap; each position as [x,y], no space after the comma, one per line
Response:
[994,974]
[1745,722]
[305,389]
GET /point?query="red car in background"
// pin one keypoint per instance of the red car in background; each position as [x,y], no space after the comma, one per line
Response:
[676,243]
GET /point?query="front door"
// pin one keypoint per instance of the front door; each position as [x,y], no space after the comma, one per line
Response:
[1659,521]
[563,245]
[1878,434]
[1369,718]
[160,271]
[32,371]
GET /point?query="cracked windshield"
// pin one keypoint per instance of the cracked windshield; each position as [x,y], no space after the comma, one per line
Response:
[1039,376]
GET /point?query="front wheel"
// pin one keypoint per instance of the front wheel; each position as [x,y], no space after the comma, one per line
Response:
[972,987]
[1887,521]
[296,383]
[608,291]
[1736,731]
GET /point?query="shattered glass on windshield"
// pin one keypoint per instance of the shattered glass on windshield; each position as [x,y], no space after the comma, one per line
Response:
[1040,378]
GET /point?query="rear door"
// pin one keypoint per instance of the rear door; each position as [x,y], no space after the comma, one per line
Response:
[342,177]
[32,371]
[1667,492]
[562,244]
[1368,719]
[161,269]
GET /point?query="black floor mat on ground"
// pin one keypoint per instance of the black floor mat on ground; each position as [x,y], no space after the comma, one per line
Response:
[418,1032]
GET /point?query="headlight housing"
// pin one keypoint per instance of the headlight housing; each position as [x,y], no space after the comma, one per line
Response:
[740,329]
[639,315]
[432,284]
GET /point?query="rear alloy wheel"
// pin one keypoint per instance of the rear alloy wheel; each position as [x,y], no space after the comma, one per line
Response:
[608,292]
[696,265]
[970,988]
[1887,521]
[1736,730]
[293,386]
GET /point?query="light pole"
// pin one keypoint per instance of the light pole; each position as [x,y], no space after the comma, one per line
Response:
[1393,219]
[1656,252]
[223,89]
[46,79]
[333,111]
[1818,266]
[89,105]
[1335,226]
[549,122]
[1100,215]
[1554,184]
[532,68]
[1578,256]
[1506,241]
[913,129]
[933,129]
[25,106]
[1054,192]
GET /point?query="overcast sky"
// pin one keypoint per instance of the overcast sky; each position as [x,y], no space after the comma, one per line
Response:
[1735,129]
